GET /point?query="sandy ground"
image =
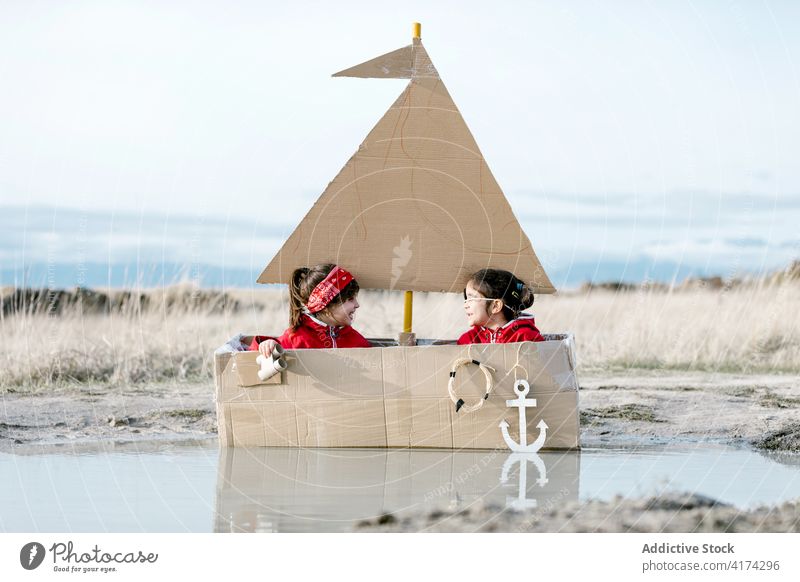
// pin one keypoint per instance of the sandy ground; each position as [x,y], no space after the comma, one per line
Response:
[671,513]
[617,409]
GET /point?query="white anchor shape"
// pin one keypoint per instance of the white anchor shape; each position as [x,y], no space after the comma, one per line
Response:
[521,387]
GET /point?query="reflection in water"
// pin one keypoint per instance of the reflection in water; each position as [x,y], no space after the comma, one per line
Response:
[522,502]
[179,487]
[272,489]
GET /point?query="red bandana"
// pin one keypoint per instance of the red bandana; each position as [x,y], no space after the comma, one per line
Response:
[329,288]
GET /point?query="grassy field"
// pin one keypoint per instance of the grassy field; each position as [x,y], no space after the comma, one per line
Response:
[170,334]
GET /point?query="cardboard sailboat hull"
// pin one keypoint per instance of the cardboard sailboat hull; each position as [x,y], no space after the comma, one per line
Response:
[398,397]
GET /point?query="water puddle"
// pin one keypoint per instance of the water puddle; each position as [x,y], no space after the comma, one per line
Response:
[195,487]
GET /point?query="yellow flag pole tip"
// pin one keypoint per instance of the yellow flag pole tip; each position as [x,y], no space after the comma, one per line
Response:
[417,30]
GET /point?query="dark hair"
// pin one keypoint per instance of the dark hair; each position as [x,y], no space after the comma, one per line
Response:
[302,284]
[504,285]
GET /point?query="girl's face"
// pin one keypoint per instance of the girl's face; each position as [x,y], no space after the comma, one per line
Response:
[340,313]
[482,311]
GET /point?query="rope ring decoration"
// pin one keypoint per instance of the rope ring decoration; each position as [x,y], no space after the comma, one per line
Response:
[459,402]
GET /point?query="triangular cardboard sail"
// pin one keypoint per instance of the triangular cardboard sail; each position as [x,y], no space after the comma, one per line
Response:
[416,207]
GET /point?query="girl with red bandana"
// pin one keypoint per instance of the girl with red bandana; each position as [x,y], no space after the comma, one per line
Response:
[322,306]
[493,302]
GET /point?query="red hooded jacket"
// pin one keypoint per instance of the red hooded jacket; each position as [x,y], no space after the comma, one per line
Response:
[521,329]
[310,334]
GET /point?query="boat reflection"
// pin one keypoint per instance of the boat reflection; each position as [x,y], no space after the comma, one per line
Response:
[321,490]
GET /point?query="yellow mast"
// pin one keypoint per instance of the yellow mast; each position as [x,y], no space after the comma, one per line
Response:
[409,300]
[409,296]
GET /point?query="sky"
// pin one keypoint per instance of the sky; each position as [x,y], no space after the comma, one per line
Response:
[620,131]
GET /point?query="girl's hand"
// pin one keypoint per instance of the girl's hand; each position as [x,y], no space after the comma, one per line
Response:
[266,347]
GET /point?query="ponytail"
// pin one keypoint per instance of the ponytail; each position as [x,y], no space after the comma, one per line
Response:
[296,296]
[525,296]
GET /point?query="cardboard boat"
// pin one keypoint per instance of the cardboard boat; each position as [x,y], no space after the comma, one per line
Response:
[416,208]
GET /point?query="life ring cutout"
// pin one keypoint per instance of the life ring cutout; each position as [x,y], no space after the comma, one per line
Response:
[488,372]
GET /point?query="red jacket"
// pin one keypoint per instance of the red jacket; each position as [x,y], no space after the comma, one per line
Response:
[521,329]
[311,335]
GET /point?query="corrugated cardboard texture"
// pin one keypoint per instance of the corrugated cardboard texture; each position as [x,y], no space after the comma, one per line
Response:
[398,397]
[272,424]
[419,422]
[416,207]
[338,423]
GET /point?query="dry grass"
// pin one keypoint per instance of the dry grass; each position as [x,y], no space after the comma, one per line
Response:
[169,337]
[753,329]
[746,329]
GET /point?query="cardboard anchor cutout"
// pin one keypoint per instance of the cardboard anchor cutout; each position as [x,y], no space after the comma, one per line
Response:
[521,387]
[522,501]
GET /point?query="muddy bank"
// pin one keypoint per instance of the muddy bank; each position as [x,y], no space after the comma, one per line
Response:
[667,407]
[786,439]
[98,413]
[667,513]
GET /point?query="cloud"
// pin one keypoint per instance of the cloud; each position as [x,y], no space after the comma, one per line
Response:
[743,253]
[56,235]
[679,208]
[747,242]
